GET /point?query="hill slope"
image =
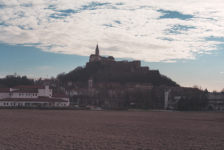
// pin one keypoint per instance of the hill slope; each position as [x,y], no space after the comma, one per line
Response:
[110,72]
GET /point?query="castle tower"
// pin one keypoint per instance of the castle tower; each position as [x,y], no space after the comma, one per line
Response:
[97,51]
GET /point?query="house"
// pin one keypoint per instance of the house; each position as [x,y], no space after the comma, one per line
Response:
[32,96]
[216,100]
[172,95]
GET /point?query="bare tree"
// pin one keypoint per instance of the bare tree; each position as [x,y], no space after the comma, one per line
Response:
[198,87]
[222,91]
[214,91]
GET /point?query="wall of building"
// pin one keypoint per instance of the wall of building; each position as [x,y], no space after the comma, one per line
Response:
[45,92]
[4,95]
[24,95]
[31,103]
[61,104]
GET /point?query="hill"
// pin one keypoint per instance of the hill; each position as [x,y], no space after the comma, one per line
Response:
[113,71]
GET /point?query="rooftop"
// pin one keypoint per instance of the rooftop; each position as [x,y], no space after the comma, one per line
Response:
[29,87]
[60,95]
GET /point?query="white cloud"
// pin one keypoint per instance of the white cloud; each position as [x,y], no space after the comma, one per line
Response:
[208,53]
[169,61]
[140,34]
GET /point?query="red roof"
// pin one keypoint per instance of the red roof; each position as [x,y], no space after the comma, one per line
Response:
[60,95]
[34,99]
[25,91]
[42,96]
[4,90]
[29,87]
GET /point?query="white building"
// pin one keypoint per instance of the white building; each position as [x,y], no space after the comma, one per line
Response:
[32,96]
[216,101]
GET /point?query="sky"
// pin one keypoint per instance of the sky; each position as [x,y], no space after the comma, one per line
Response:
[184,40]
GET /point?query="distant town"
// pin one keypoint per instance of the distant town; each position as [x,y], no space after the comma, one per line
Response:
[107,84]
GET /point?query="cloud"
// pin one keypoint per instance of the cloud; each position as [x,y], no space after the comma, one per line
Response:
[169,61]
[221,72]
[151,31]
[208,53]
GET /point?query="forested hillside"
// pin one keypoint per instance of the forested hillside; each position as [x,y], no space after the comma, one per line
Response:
[100,74]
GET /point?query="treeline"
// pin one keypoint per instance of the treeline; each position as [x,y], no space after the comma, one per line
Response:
[193,102]
[97,71]
[15,80]
[139,98]
[127,99]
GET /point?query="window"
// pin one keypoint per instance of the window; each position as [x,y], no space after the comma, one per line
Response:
[26,94]
[33,94]
[50,94]
[11,103]
[29,94]
[19,94]
[7,103]
[22,94]
[14,103]
[36,94]
[4,103]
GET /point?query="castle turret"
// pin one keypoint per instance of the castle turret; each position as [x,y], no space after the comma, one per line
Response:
[96,56]
[97,51]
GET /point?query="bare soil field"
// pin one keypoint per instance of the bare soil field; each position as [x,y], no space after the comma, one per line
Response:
[85,129]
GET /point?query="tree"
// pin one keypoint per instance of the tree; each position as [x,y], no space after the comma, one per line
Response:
[198,87]
[222,91]
[206,91]
[197,101]
[15,80]
[214,91]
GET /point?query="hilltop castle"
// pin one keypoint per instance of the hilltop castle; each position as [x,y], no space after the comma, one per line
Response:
[97,57]
[112,66]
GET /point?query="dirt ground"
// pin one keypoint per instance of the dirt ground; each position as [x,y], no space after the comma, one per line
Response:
[85,129]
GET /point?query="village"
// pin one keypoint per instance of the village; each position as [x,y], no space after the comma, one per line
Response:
[52,92]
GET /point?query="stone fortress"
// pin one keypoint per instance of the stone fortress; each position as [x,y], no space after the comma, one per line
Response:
[113,66]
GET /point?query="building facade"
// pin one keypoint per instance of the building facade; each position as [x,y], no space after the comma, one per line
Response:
[35,96]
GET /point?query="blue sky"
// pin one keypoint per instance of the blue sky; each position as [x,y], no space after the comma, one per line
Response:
[183,40]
